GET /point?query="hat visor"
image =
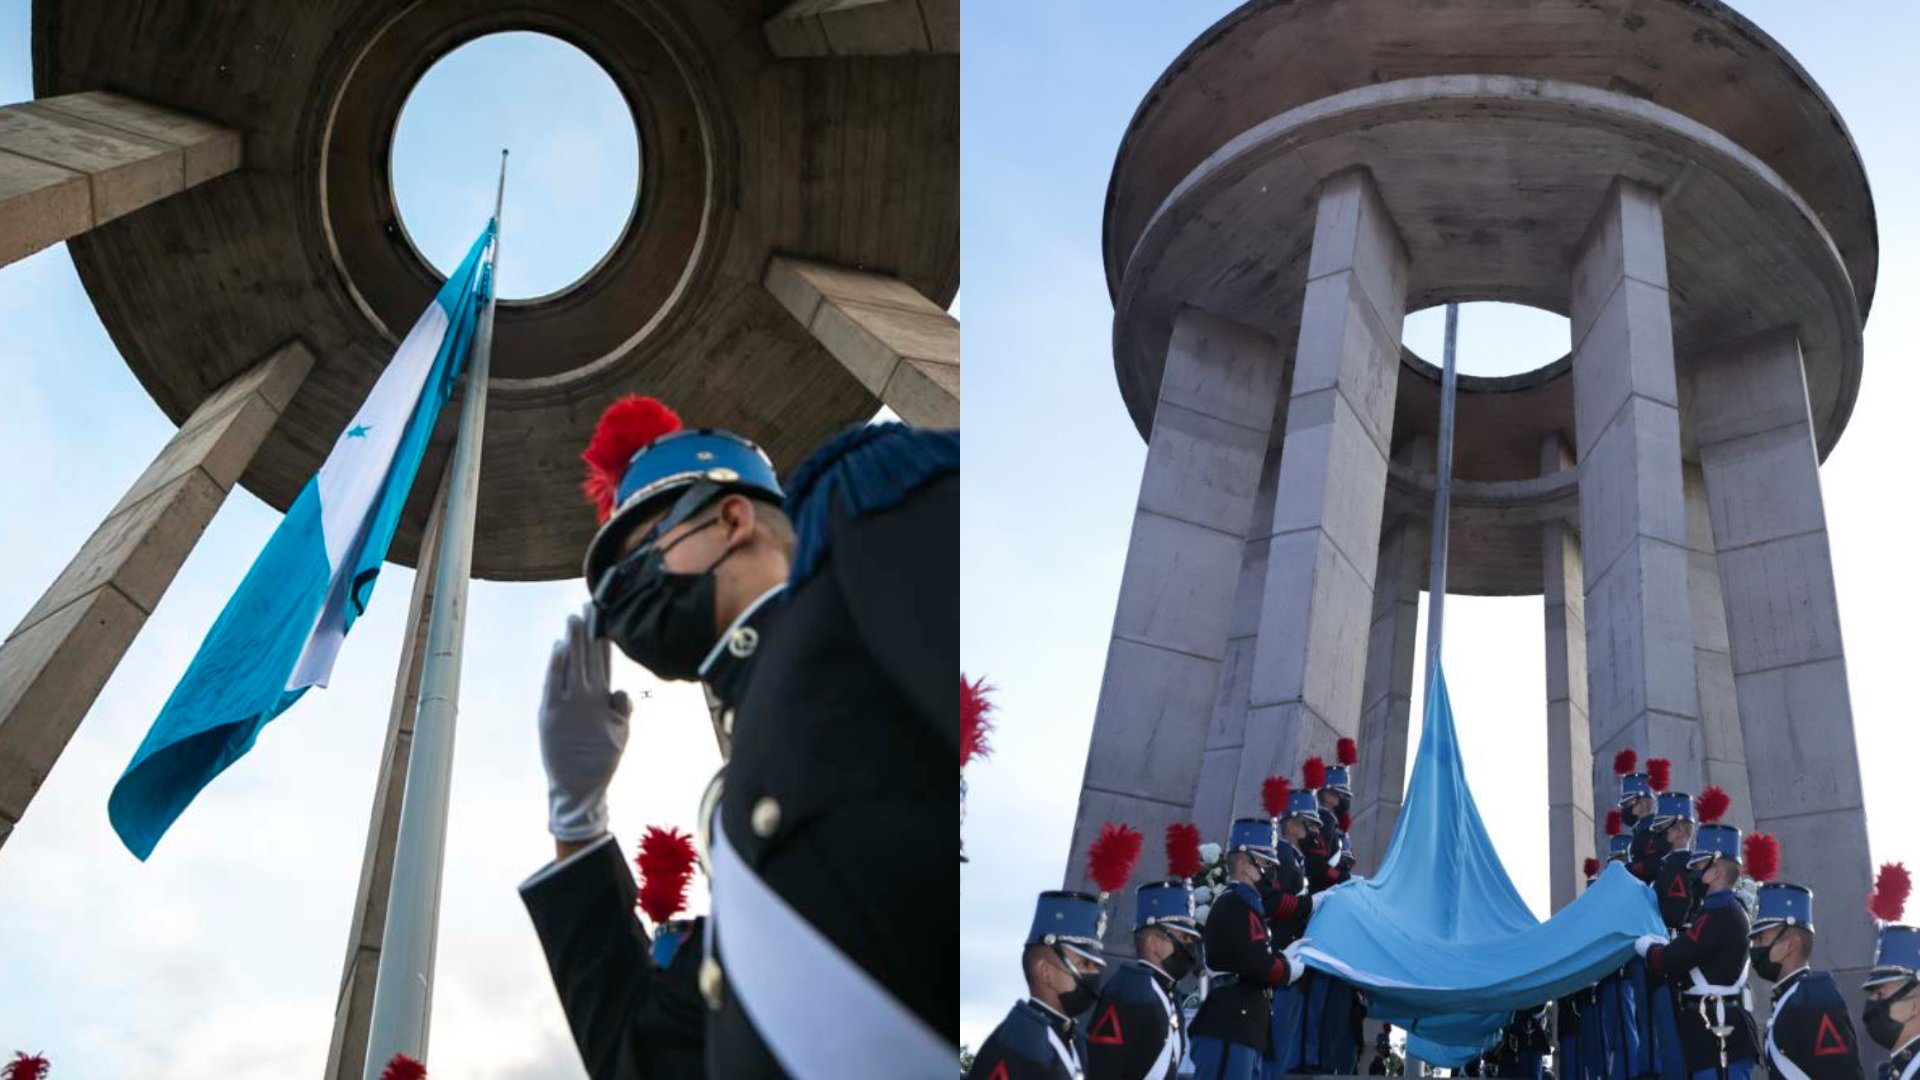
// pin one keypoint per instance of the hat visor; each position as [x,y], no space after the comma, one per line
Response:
[1089,952]
[1880,976]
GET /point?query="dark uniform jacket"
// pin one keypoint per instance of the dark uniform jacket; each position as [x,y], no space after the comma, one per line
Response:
[1673,888]
[1291,904]
[1895,1067]
[1322,853]
[840,792]
[1020,1048]
[1130,1026]
[1239,1005]
[629,1018]
[1715,943]
[1811,1029]
[1646,850]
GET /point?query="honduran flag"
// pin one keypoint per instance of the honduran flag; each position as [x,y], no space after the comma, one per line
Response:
[282,629]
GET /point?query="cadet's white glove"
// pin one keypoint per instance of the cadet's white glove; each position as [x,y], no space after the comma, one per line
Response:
[1645,944]
[1296,967]
[583,729]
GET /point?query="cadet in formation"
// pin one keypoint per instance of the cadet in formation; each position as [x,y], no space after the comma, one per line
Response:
[1809,1034]
[1062,960]
[1231,1034]
[1892,1013]
[1332,1012]
[1136,1030]
[822,621]
[1706,963]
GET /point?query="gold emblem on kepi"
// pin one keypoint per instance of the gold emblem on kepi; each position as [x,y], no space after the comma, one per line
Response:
[722,475]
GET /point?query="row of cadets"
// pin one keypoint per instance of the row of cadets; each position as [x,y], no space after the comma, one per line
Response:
[1332,1012]
[1707,962]
[1605,1019]
[1660,824]
[1137,1031]
[1297,815]
[1232,1033]
[1892,1012]
[1062,961]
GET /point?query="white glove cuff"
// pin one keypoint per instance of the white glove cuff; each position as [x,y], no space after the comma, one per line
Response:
[574,818]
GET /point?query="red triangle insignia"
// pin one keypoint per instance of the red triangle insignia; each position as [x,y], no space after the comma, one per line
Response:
[1106,1030]
[1699,924]
[1678,889]
[999,1072]
[1829,1041]
[1256,930]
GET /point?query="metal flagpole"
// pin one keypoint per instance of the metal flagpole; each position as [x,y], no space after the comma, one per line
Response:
[403,986]
[1442,501]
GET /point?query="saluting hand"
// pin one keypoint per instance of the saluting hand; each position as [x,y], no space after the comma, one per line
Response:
[583,730]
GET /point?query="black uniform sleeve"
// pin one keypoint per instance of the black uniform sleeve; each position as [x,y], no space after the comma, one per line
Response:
[1001,1059]
[899,571]
[630,1020]
[1124,1037]
[1816,1034]
[1674,892]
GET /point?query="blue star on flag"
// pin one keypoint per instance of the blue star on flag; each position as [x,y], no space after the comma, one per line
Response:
[358,431]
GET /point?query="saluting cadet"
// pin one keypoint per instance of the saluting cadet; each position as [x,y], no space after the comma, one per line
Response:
[1707,961]
[1231,1035]
[1062,962]
[1892,1012]
[1321,846]
[822,621]
[1136,1030]
[1809,1034]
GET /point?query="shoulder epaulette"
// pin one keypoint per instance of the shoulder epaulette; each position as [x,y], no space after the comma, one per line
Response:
[865,470]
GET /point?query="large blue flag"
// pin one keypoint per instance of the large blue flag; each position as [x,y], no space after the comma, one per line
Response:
[1441,940]
[282,630]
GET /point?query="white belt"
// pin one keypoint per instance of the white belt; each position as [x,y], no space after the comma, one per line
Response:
[1163,1066]
[801,992]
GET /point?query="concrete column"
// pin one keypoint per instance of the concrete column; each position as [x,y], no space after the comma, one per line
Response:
[899,344]
[55,662]
[1317,605]
[1220,765]
[864,28]
[1380,779]
[1210,434]
[1571,836]
[1761,469]
[70,163]
[1633,531]
[353,1009]
[1724,760]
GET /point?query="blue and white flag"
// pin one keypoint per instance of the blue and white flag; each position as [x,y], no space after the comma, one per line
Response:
[282,630]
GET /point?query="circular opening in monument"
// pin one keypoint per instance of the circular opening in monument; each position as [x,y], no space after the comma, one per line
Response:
[573,174]
[1496,340]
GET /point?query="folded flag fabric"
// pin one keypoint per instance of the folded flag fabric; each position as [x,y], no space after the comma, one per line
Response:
[282,629]
[1441,940]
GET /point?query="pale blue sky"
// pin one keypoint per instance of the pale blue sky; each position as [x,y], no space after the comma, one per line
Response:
[221,956]
[1053,463]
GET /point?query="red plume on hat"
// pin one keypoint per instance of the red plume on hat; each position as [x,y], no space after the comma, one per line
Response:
[1183,849]
[1890,888]
[1659,773]
[1760,856]
[1111,857]
[666,866]
[1346,752]
[628,425]
[1624,761]
[23,1067]
[1614,823]
[1591,867]
[1712,804]
[403,1067]
[976,721]
[1274,791]
[1313,773]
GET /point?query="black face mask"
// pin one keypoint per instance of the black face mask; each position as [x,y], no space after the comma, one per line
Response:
[1184,958]
[663,621]
[1760,957]
[1084,993]
[1881,1026]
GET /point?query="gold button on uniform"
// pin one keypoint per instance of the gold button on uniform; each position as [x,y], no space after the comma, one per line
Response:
[766,816]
